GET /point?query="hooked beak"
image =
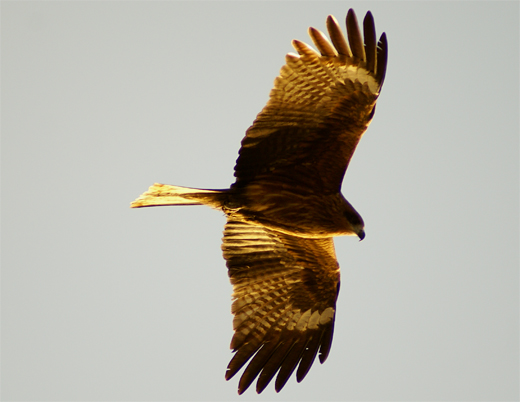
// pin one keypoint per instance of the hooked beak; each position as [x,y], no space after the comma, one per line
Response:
[361,234]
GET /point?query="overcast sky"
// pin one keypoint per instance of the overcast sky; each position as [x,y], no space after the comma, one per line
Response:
[102,99]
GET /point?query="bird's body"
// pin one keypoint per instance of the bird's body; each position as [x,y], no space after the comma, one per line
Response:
[286,205]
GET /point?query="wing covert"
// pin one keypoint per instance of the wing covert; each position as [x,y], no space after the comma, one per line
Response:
[284,291]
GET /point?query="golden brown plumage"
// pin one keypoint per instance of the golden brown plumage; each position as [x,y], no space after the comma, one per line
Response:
[284,291]
[285,205]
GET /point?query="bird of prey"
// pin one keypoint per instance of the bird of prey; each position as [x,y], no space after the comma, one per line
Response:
[285,205]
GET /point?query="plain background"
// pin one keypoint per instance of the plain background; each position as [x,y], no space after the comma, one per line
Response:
[101,99]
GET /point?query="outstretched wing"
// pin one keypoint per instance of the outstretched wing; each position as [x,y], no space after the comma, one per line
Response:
[318,110]
[284,289]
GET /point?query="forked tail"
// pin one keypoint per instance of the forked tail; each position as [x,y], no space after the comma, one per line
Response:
[164,194]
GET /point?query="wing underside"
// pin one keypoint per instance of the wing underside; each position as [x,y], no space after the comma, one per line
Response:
[319,108]
[284,290]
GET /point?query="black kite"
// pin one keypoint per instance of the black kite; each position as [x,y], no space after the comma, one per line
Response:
[286,205]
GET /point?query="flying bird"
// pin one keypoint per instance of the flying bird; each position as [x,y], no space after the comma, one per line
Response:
[285,205]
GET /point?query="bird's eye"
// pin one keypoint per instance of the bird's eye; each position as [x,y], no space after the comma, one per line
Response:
[353,218]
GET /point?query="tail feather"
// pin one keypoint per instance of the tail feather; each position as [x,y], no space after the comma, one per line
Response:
[164,194]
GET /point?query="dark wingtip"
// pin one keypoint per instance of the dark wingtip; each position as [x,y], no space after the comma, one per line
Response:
[229,374]
[354,36]
[326,343]
[369,32]
[382,58]
[337,37]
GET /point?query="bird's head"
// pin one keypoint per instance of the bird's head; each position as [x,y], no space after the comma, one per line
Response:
[354,220]
[359,229]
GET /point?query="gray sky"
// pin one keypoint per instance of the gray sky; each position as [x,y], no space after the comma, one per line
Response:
[101,99]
